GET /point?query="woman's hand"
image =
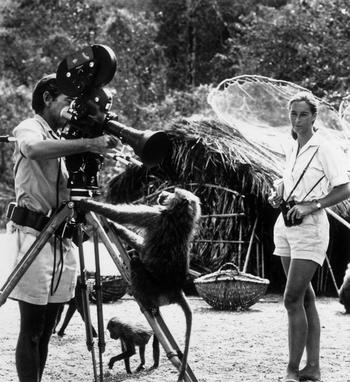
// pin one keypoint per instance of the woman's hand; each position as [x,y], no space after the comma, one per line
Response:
[300,210]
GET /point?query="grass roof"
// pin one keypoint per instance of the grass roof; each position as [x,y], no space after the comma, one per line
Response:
[205,151]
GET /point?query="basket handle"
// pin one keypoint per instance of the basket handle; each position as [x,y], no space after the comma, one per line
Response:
[228,266]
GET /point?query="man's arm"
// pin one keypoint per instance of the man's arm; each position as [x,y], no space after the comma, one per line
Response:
[49,149]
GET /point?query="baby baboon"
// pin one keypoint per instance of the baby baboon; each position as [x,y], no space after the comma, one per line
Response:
[131,336]
[158,273]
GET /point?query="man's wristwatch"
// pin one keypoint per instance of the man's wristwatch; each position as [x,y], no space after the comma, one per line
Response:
[318,204]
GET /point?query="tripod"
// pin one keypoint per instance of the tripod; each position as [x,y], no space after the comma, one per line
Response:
[104,231]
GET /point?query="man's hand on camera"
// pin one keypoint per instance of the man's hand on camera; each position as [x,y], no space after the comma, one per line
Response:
[103,144]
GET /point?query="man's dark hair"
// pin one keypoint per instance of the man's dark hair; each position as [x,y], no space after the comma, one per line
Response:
[47,83]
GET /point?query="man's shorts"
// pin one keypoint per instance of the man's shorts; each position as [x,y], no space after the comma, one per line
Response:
[307,241]
[36,285]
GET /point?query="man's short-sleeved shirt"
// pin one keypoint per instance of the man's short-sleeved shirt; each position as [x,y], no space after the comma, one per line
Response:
[328,161]
[40,185]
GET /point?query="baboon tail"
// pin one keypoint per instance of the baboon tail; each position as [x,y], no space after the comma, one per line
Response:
[188,315]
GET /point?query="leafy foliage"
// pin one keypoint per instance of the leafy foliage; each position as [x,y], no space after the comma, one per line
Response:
[38,34]
[192,33]
[176,104]
[141,73]
[304,42]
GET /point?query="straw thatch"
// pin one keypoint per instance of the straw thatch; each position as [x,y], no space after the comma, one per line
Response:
[204,151]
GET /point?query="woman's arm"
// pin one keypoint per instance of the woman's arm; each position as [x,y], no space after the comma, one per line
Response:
[336,195]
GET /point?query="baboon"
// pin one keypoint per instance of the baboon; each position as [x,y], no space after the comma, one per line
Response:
[162,242]
[344,292]
[131,336]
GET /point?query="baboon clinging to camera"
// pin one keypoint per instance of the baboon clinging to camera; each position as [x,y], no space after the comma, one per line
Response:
[131,336]
[159,271]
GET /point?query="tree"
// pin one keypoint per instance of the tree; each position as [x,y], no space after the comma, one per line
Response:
[141,72]
[192,31]
[302,42]
[36,35]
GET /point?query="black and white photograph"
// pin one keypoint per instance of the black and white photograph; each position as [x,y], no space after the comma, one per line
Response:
[175,190]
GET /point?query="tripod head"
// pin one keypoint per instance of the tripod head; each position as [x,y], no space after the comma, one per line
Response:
[83,75]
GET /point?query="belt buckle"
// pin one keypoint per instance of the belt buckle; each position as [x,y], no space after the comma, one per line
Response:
[10,210]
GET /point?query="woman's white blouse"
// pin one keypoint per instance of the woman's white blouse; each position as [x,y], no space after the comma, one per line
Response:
[329,161]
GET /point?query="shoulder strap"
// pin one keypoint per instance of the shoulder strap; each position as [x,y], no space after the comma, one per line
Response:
[302,174]
[313,187]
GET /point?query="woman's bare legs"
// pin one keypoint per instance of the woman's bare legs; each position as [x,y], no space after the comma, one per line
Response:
[312,368]
[299,275]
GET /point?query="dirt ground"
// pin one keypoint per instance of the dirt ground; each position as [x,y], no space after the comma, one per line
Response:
[227,346]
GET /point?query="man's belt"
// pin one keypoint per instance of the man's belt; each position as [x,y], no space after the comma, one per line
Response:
[36,220]
[25,217]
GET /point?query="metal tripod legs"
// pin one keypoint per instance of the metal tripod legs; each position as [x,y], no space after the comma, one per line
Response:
[86,306]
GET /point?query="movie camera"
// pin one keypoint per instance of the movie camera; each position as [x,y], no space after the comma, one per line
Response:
[82,76]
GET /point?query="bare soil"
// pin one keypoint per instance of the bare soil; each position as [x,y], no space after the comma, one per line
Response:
[237,346]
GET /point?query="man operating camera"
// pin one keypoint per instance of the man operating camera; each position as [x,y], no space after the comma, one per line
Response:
[41,187]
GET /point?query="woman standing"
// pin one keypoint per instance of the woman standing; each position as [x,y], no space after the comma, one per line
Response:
[314,178]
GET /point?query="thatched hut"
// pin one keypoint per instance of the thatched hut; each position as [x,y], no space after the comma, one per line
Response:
[231,166]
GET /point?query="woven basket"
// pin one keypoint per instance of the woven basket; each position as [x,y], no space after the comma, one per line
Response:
[113,288]
[230,289]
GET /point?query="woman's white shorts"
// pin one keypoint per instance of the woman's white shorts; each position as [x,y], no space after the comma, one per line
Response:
[35,285]
[307,241]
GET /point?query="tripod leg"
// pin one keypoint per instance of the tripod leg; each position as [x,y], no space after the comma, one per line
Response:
[158,317]
[85,300]
[98,288]
[34,250]
[168,342]
[120,258]
[122,261]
